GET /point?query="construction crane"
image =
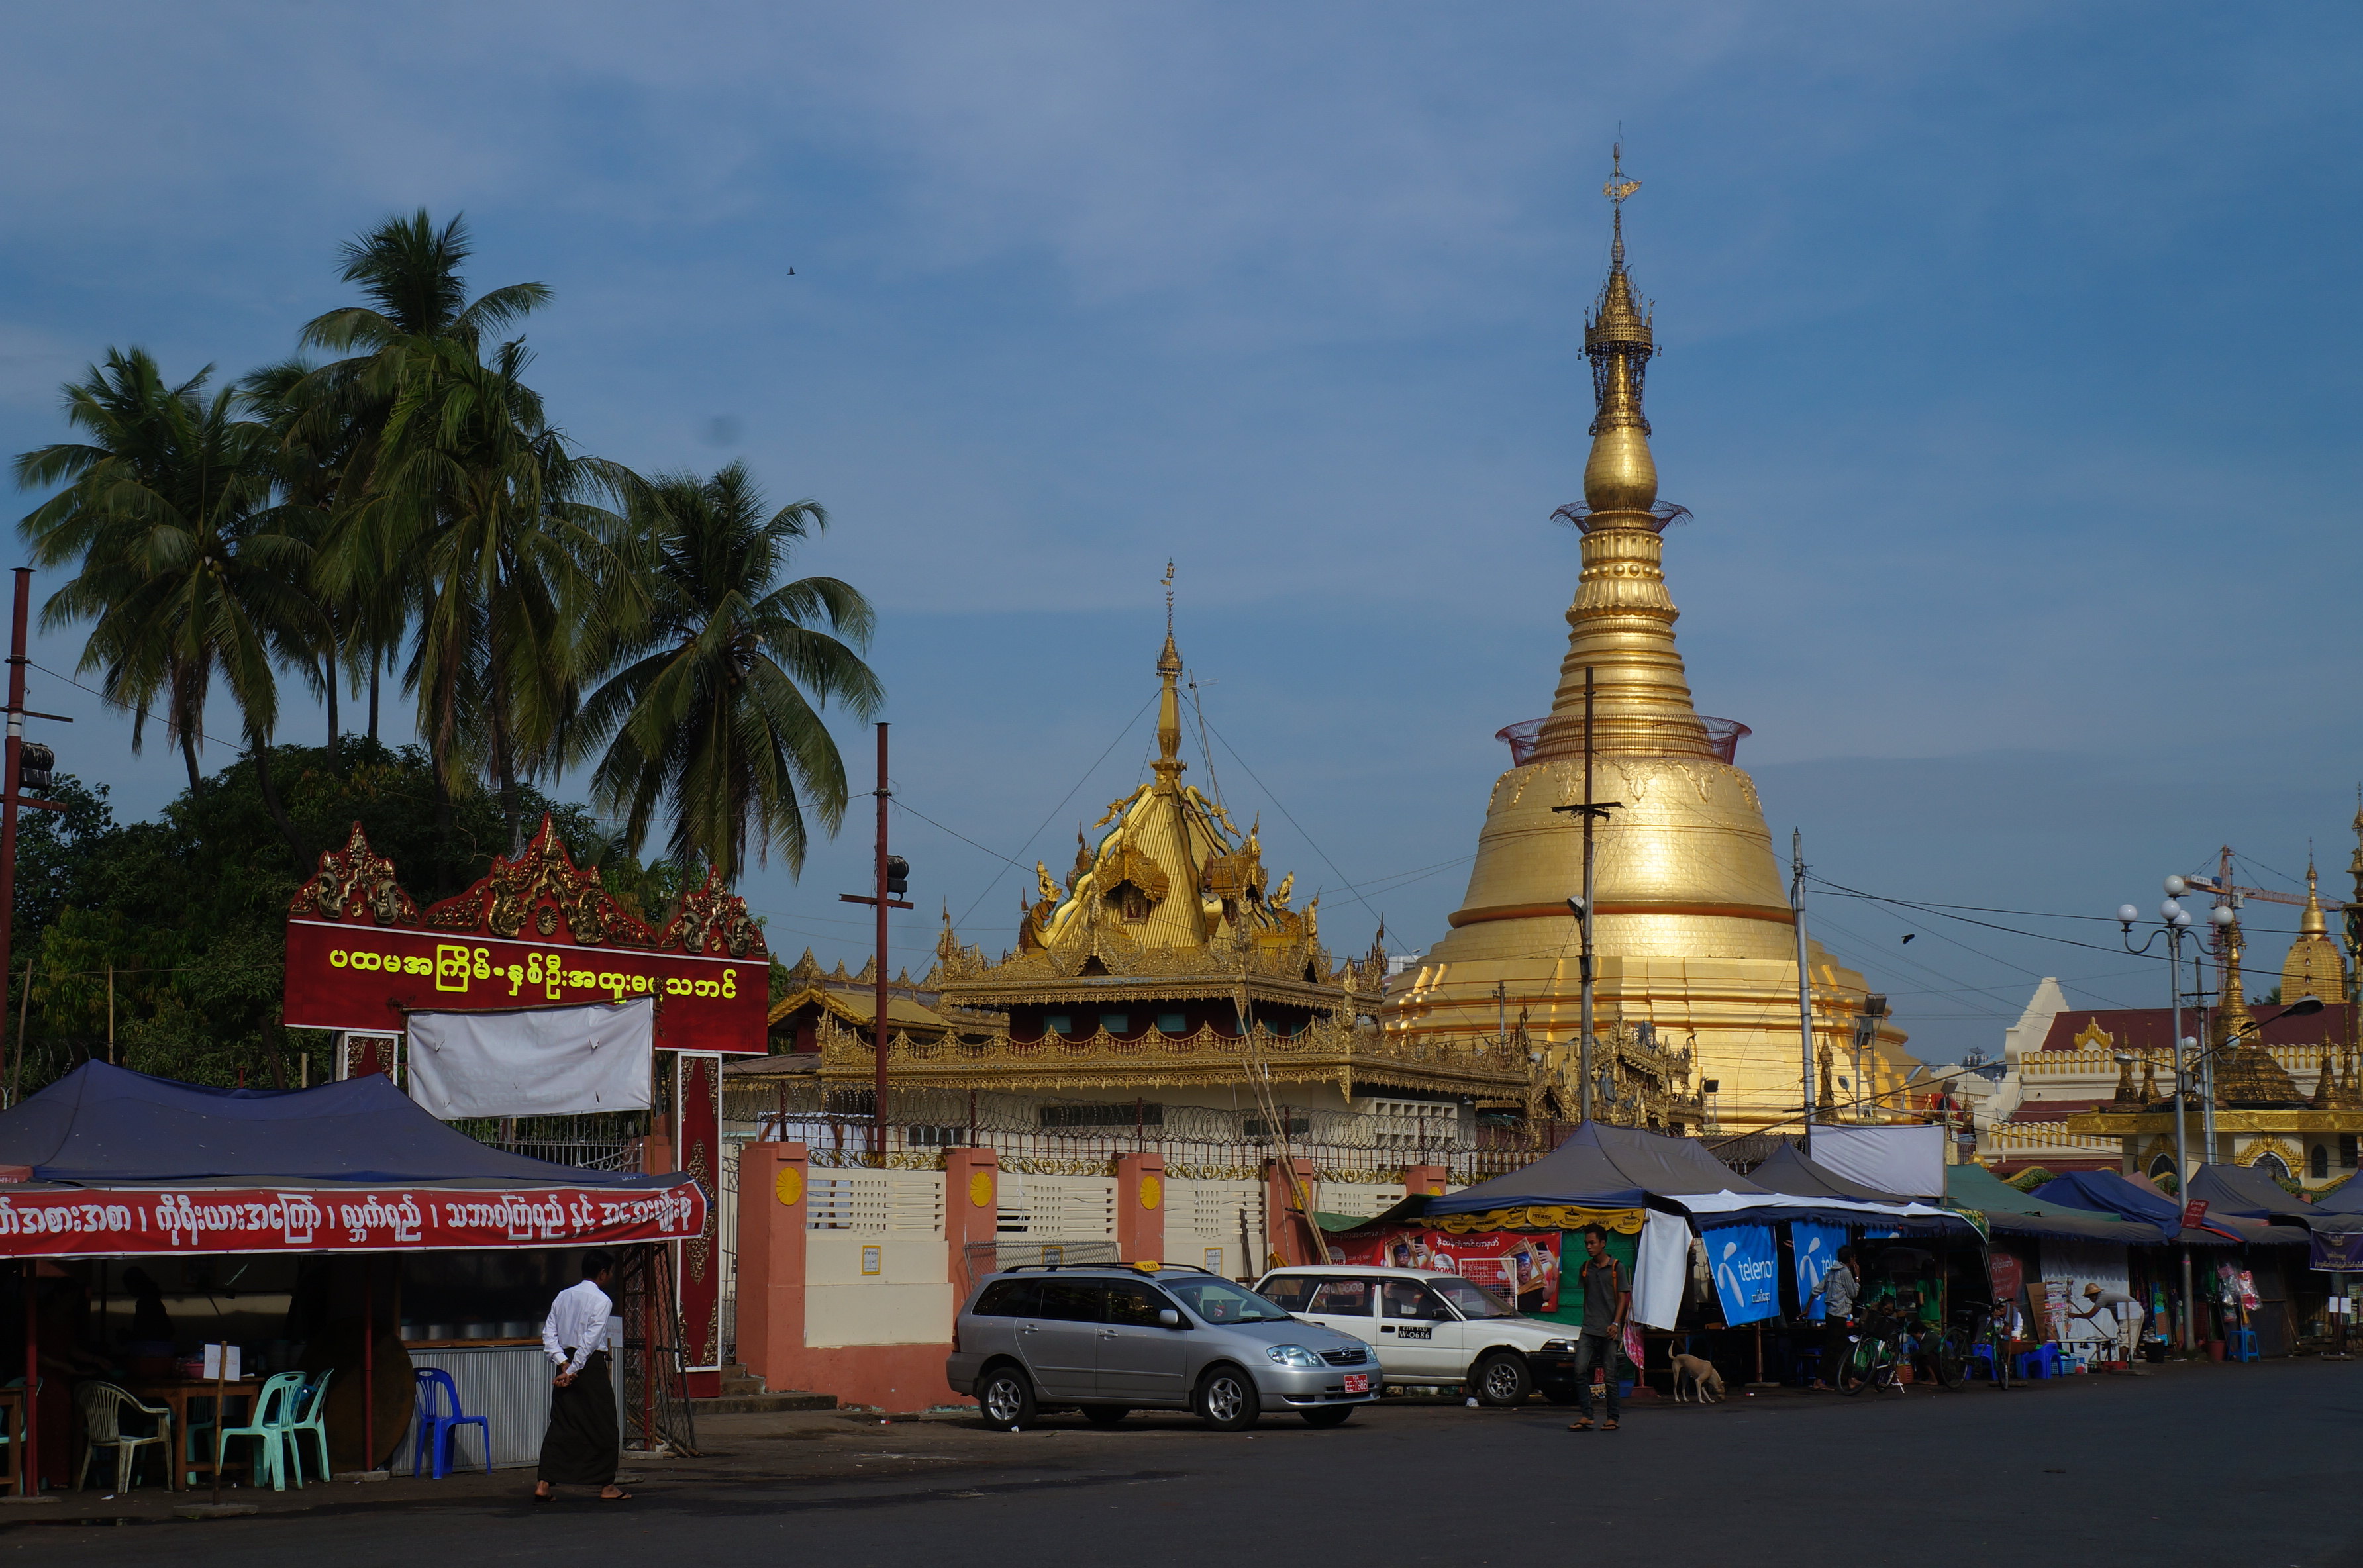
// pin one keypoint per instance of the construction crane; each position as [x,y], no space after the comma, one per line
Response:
[2223,887]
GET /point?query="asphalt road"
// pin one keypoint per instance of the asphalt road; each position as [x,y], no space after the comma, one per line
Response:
[2246,1465]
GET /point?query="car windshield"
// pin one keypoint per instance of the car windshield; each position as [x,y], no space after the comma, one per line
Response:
[1220,1301]
[1473,1299]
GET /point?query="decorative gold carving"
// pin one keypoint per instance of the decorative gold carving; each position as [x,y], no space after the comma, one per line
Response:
[2093,1037]
[713,921]
[542,879]
[355,883]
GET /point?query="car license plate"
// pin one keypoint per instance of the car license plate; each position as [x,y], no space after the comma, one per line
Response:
[1357,1383]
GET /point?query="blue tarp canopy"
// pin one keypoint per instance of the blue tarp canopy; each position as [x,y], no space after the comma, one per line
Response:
[2345,1199]
[1600,1167]
[1623,1167]
[2139,1200]
[103,1124]
[2250,1194]
[2010,1212]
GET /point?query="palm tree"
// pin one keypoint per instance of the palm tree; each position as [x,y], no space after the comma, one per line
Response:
[409,272]
[463,514]
[311,456]
[493,532]
[164,510]
[712,713]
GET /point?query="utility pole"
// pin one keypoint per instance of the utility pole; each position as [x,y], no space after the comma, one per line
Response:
[12,796]
[1804,975]
[892,877]
[1592,812]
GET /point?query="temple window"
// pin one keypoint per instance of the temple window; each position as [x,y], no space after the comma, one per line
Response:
[1116,1022]
[2273,1166]
[1058,1023]
[1179,1023]
[1131,903]
[2347,1151]
[2317,1162]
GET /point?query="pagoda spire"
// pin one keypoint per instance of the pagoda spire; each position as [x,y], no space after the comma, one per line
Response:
[1622,623]
[1169,766]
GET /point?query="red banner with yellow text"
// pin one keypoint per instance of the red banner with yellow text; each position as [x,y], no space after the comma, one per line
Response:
[143,1222]
[368,978]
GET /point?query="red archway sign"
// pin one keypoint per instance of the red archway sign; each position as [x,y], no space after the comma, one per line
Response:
[534,933]
[538,931]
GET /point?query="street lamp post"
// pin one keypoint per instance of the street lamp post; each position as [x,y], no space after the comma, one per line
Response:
[2173,922]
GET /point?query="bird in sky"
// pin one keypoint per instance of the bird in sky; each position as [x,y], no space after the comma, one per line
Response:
[1910,935]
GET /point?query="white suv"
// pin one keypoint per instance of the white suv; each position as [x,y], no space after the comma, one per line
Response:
[1433,1327]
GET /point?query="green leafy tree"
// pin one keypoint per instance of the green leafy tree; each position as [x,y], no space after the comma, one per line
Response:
[711,713]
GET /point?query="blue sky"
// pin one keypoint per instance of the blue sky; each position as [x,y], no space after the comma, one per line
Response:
[2008,372]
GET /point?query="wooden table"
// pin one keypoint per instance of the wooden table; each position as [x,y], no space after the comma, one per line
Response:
[176,1394]
[12,1421]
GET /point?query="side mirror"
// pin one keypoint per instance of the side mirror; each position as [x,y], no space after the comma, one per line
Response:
[1168,1317]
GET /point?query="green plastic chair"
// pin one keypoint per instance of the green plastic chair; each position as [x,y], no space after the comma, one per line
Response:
[267,1427]
[102,1407]
[311,1419]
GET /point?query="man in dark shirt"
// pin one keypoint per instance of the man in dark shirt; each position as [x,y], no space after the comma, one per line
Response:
[1607,1302]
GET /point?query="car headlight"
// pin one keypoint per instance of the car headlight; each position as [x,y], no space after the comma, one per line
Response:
[1559,1344]
[1293,1356]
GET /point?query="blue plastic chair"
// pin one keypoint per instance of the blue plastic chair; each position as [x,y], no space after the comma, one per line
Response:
[1982,1361]
[2043,1360]
[1806,1362]
[435,1425]
[2242,1347]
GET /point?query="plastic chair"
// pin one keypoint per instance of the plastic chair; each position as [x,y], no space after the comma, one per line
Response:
[266,1424]
[436,1387]
[2242,1345]
[102,1423]
[307,1414]
[1806,1361]
[25,1483]
[1982,1361]
[2043,1360]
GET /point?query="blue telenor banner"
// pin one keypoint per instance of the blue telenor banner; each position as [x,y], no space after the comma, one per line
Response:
[1817,1247]
[1746,1272]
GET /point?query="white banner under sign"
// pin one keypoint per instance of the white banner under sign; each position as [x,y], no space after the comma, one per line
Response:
[567,1061]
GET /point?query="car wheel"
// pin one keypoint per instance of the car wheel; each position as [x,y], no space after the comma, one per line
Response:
[1502,1380]
[1105,1415]
[1327,1415]
[1007,1397]
[1229,1400]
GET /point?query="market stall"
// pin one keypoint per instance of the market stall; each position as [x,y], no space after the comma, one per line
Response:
[151,1218]
[2240,1265]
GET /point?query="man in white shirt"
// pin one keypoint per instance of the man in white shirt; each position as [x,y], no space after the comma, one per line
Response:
[580,1448]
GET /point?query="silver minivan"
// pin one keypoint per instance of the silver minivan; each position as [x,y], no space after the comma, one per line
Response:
[1110,1339]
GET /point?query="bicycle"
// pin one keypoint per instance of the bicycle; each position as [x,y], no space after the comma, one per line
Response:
[1873,1361]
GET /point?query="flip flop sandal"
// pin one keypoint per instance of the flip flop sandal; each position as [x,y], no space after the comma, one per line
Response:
[1608,1427]
[1582,1426]
[618,1497]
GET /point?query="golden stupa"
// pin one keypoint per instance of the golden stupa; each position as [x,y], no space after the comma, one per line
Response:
[2314,965]
[1693,931]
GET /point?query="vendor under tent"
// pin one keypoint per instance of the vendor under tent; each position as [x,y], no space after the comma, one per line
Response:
[312,1184]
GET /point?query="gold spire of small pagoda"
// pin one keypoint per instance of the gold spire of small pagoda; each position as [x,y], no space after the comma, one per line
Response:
[1622,623]
[1169,766]
[2314,967]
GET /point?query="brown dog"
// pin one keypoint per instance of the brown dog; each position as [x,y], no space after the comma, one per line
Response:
[1698,1377]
